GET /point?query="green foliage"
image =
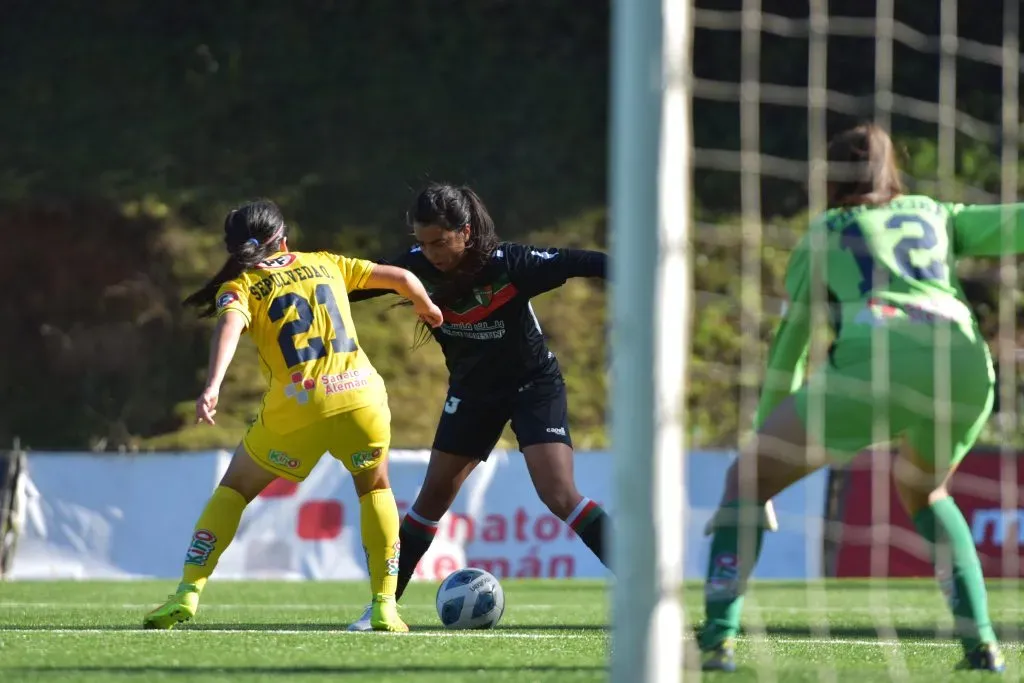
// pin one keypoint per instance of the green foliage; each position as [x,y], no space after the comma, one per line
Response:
[130,128]
[417,379]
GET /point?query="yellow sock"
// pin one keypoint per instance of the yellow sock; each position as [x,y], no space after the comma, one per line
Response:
[213,533]
[379,519]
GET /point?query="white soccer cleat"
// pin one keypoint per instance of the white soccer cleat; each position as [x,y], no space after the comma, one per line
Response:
[363,624]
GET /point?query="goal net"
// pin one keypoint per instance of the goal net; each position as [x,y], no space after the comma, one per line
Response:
[769,82]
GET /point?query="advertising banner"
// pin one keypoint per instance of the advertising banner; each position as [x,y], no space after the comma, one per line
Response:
[981,485]
[111,516]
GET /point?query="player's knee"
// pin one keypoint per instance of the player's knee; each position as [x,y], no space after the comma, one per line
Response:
[246,477]
[938,494]
[744,482]
[917,489]
[911,479]
[245,489]
[371,479]
[561,499]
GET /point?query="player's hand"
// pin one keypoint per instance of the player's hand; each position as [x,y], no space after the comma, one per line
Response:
[429,313]
[206,406]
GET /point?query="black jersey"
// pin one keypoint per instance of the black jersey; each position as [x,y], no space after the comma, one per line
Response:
[491,340]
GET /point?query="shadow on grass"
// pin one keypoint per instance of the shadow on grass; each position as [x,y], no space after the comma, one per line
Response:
[306,626]
[532,627]
[84,628]
[195,671]
[415,628]
[879,585]
[840,633]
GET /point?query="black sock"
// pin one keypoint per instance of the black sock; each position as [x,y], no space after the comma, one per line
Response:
[415,536]
[591,523]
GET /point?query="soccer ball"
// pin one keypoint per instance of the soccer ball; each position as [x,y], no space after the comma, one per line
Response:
[470,598]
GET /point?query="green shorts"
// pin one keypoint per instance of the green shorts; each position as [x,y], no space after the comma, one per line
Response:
[921,381]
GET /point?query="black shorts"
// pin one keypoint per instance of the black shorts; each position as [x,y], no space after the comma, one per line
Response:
[471,427]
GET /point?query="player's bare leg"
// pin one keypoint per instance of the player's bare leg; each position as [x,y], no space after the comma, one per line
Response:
[764,469]
[444,478]
[243,481]
[730,493]
[924,493]
[551,469]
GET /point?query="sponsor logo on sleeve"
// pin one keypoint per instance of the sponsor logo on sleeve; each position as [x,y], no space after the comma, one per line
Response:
[226,299]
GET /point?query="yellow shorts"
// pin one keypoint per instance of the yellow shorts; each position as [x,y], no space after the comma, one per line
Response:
[358,438]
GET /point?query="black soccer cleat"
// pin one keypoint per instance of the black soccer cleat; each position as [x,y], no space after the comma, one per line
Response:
[985,657]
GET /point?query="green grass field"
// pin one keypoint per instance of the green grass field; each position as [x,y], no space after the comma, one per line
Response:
[552,631]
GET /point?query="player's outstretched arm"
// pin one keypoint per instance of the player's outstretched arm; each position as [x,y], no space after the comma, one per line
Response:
[535,271]
[406,284]
[367,292]
[987,229]
[229,329]
[585,263]
[787,355]
[787,358]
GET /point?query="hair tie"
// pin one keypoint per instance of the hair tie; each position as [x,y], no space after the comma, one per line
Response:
[253,241]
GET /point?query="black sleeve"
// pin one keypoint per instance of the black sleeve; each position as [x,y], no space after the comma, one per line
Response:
[534,270]
[404,260]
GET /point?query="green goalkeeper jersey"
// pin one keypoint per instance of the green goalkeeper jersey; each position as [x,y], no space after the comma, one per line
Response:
[875,264]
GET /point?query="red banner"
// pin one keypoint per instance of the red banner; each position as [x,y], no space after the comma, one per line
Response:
[871,511]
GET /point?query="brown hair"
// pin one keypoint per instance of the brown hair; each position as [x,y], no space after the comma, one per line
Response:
[862,168]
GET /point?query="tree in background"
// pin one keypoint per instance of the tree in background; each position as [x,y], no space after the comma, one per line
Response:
[130,128]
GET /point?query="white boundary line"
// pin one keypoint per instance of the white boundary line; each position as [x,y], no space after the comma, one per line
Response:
[307,632]
[500,635]
[298,607]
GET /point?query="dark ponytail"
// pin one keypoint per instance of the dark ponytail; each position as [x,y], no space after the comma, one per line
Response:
[483,236]
[252,233]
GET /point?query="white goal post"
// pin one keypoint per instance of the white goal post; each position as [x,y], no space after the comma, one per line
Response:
[651,290]
[652,166]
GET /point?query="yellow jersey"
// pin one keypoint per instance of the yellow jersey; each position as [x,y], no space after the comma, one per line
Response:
[297,311]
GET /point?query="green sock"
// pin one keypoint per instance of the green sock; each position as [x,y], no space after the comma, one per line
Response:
[729,567]
[944,527]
